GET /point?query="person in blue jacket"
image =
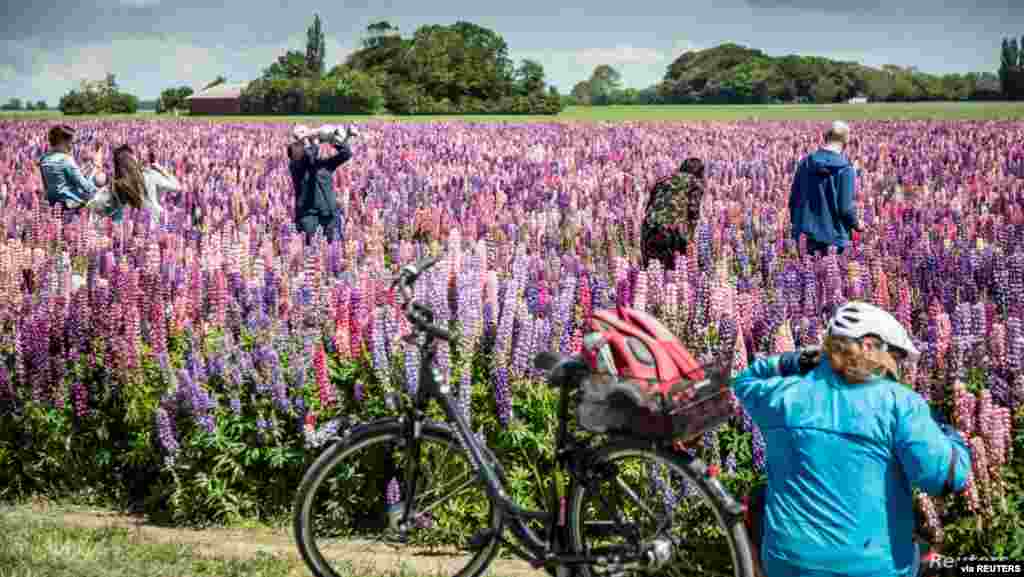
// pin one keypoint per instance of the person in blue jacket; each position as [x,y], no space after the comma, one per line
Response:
[63,182]
[316,205]
[822,197]
[845,443]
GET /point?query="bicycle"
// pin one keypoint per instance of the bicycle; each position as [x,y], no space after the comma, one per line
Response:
[557,539]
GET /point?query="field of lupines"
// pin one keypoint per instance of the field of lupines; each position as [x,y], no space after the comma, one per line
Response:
[190,373]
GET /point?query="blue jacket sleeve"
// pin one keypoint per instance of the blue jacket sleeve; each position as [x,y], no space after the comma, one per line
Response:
[78,181]
[847,189]
[935,457]
[332,163]
[754,386]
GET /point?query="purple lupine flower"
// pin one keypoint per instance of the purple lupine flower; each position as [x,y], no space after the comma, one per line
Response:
[503,396]
[393,492]
[166,433]
[380,357]
[412,370]
[709,442]
[730,464]
[661,478]
[757,448]
[279,391]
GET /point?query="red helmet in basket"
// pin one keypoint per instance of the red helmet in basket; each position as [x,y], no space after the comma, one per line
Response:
[640,348]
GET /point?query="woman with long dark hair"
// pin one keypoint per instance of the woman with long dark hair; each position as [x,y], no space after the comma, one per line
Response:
[135,185]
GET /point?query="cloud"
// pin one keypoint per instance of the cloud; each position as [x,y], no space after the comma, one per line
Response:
[831,6]
[621,54]
[640,66]
[681,46]
[139,3]
[144,65]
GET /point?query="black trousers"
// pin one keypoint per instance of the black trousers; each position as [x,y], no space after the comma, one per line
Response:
[820,248]
[310,222]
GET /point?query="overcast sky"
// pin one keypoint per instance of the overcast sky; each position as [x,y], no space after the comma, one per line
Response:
[47,46]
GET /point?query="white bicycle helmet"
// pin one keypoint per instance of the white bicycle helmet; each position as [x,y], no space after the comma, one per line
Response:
[856,320]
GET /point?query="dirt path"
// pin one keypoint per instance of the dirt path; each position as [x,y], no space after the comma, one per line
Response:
[366,557]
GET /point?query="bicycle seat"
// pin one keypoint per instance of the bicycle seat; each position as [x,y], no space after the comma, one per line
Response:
[558,367]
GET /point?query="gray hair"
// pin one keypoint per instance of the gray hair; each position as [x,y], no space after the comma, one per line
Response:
[838,132]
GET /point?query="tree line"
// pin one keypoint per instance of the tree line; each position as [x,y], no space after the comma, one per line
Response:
[734,74]
[464,68]
[16,104]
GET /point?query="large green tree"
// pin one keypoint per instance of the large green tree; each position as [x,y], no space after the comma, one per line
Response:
[172,99]
[315,48]
[1008,66]
[604,82]
[530,77]
[581,93]
[290,65]
[459,68]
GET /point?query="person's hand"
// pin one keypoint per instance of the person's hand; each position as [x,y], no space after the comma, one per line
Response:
[350,132]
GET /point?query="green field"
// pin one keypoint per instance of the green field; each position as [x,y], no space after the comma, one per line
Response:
[875,111]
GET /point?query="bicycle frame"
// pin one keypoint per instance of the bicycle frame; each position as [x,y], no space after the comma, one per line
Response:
[572,456]
[537,551]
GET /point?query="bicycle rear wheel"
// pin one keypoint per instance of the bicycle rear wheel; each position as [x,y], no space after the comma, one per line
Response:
[640,499]
[345,517]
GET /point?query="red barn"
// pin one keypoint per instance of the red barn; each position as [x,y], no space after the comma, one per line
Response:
[220,99]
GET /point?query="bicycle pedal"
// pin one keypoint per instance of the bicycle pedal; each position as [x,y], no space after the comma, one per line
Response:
[481,539]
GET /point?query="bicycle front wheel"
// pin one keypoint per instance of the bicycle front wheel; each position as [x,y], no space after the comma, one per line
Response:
[350,502]
[641,502]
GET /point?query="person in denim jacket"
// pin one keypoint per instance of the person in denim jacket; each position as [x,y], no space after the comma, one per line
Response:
[63,182]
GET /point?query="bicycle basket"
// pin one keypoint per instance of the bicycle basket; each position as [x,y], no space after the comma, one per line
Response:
[628,407]
[644,383]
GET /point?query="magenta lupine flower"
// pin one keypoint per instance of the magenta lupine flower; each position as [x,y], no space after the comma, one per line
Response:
[356,309]
[6,387]
[983,414]
[932,522]
[80,399]
[981,472]
[964,409]
[640,292]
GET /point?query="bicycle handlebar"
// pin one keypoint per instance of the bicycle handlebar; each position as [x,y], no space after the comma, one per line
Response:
[419,315]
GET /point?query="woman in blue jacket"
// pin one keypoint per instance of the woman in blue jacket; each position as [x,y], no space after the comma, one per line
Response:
[845,445]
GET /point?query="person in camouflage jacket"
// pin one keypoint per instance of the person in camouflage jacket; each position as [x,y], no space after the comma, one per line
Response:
[672,212]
